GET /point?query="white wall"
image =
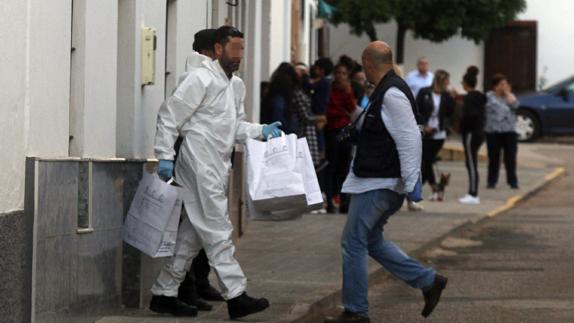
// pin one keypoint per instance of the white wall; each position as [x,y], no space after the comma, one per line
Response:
[555,45]
[49,77]
[35,86]
[137,105]
[185,18]
[13,23]
[453,55]
[555,37]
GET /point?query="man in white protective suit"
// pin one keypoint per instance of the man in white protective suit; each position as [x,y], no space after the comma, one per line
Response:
[205,111]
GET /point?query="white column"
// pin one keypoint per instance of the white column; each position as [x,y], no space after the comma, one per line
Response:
[253,59]
[266,40]
[280,34]
[93,78]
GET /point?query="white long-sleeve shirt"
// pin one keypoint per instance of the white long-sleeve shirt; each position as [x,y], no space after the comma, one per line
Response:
[400,122]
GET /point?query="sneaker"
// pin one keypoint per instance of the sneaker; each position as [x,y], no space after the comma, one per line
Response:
[171,305]
[244,305]
[414,206]
[469,199]
[434,197]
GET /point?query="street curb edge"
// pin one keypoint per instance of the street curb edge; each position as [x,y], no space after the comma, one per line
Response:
[512,201]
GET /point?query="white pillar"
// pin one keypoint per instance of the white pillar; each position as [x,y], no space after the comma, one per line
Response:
[93,78]
[252,64]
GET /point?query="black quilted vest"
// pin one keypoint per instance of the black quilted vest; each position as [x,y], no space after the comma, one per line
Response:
[377,154]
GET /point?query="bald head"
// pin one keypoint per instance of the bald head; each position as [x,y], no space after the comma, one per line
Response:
[378,53]
[377,60]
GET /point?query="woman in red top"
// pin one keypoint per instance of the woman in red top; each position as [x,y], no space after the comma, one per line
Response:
[341,106]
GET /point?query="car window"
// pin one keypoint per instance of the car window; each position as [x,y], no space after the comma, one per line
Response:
[570,88]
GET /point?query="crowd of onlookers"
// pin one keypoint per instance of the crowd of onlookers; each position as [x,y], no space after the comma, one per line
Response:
[317,102]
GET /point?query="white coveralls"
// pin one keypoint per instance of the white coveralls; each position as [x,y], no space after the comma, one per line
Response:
[207,110]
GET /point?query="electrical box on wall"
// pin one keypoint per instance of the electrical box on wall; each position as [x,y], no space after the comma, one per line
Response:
[148,47]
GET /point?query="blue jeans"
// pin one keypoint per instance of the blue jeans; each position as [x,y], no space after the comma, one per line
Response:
[362,236]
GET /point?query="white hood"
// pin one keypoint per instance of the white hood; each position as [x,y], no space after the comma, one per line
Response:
[195,60]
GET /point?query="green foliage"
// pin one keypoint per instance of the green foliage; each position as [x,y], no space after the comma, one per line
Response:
[361,16]
[435,20]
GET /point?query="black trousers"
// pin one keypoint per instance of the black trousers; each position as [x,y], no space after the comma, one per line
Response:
[496,143]
[431,148]
[338,154]
[471,143]
[200,268]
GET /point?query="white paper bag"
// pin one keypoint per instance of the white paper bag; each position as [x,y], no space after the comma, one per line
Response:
[153,218]
[273,182]
[313,195]
[305,167]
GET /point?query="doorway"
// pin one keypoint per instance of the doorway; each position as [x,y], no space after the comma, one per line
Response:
[512,51]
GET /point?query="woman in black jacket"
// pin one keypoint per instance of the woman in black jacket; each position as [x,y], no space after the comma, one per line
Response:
[472,130]
[435,105]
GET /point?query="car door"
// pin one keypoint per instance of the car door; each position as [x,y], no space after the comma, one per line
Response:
[559,112]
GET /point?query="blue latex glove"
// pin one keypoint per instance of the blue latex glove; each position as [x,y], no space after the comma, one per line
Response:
[417,194]
[271,130]
[165,169]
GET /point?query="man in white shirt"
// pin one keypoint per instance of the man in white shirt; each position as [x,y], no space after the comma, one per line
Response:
[418,79]
[421,77]
[385,169]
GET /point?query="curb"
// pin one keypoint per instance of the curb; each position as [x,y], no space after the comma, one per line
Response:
[512,201]
[317,310]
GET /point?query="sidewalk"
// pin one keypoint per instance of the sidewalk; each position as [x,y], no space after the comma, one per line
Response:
[297,266]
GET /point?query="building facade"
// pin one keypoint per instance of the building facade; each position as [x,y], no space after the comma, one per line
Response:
[547,60]
[81,83]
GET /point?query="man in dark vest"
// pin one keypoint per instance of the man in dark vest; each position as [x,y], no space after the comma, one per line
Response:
[385,169]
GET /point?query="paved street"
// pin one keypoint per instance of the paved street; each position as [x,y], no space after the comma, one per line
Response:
[296,264]
[516,267]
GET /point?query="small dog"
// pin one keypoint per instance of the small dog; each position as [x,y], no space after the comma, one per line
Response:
[442,184]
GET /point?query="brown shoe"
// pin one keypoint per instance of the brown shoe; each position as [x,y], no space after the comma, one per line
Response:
[348,317]
[432,296]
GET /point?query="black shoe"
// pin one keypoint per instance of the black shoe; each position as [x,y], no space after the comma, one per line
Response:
[171,305]
[514,186]
[209,293]
[195,302]
[491,186]
[348,317]
[244,305]
[432,296]
[187,293]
